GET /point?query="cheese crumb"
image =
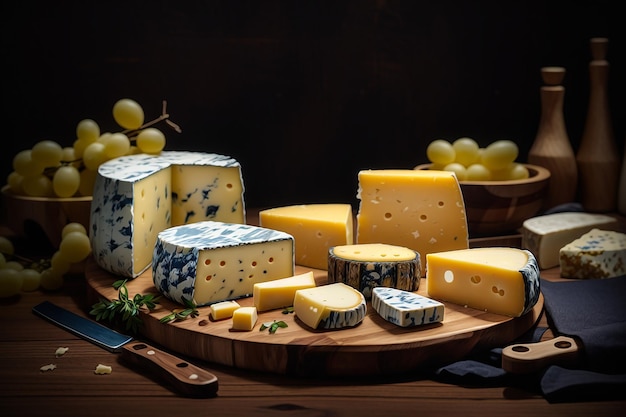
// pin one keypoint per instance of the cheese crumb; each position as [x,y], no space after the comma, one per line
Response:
[103,369]
[48,367]
[61,351]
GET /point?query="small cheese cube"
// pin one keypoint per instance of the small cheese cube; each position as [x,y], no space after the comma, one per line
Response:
[244,318]
[331,306]
[596,254]
[280,292]
[223,309]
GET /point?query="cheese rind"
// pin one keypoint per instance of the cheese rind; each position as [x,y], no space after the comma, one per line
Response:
[369,265]
[596,254]
[331,306]
[245,318]
[406,309]
[137,196]
[422,210]
[545,235]
[315,228]
[497,280]
[208,262]
[223,309]
[280,293]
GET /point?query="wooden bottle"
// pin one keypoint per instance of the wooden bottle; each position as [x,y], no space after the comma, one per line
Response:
[598,158]
[552,148]
[621,187]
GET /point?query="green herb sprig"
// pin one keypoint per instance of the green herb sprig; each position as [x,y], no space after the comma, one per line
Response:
[191,310]
[124,310]
[273,326]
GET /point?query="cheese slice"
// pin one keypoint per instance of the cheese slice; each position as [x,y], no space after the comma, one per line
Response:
[497,280]
[315,228]
[366,266]
[280,293]
[245,318]
[209,262]
[406,309]
[331,306]
[137,196]
[223,309]
[596,254]
[419,209]
[545,235]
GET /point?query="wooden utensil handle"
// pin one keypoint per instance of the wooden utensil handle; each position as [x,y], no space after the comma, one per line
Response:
[525,358]
[184,377]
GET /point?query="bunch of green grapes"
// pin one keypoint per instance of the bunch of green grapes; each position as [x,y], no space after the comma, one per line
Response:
[470,162]
[51,170]
[18,275]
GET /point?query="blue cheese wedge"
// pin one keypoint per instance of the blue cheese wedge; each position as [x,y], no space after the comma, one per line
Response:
[137,196]
[406,309]
[596,254]
[209,262]
[331,306]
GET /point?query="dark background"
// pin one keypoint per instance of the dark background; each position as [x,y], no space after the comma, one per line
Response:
[303,94]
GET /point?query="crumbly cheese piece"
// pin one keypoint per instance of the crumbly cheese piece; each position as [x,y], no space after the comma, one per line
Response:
[498,280]
[280,293]
[419,209]
[406,309]
[103,369]
[211,261]
[545,235]
[245,318]
[331,306]
[368,265]
[223,309]
[315,228]
[50,367]
[596,254]
[137,196]
[61,351]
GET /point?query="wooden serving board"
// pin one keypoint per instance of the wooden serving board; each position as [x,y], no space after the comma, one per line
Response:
[374,347]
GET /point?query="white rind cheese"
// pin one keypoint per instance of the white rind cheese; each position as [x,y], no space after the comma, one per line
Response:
[209,262]
[369,265]
[331,306]
[406,309]
[596,254]
[137,196]
[497,280]
[545,235]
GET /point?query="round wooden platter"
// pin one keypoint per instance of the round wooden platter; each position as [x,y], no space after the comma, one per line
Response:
[374,347]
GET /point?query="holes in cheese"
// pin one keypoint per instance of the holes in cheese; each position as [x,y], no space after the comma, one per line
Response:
[234,256]
[419,209]
[369,265]
[331,306]
[315,228]
[280,293]
[498,280]
[137,196]
[406,309]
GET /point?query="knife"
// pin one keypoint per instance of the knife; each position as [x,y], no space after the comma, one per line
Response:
[526,358]
[183,377]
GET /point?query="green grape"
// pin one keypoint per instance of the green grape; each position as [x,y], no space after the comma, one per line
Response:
[151,140]
[3,260]
[466,150]
[68,155]
[499,154]
[37,186]
[116,145]
[24,164]
[518,172]
[94,155]
[6,246]
[128,114]
[10,282]
[75,247]
[14,265]
[458,169]
[440,151]
[47,153]
[73,227]
[87,130]
[59,263]
[31,279]
[14,181]
[65,181]
[51,279]
[478,172]
[79,146]
[87,181]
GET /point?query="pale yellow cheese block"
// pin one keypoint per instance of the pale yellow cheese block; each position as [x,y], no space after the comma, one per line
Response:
[315,228]
[280,293]
[419,209]
[331,306]
[224,309]
[245,318]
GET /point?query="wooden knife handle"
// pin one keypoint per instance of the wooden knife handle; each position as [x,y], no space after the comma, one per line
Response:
[525,358]
[184,377]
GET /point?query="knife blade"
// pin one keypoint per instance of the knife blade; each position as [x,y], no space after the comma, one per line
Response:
[526,358]
[181,376]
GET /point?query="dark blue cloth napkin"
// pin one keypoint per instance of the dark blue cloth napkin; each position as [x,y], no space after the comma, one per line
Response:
[594,311]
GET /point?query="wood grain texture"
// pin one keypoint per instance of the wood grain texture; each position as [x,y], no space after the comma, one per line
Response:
[374,347]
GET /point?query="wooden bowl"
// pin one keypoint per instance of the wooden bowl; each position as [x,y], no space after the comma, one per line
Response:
[43,217]
[496,208]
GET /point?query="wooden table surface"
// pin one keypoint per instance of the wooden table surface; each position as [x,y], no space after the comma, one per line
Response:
[27,342]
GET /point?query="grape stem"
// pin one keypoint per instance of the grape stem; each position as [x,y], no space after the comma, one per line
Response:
[164,116]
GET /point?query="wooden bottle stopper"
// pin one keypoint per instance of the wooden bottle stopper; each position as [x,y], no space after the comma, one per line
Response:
[552,75]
